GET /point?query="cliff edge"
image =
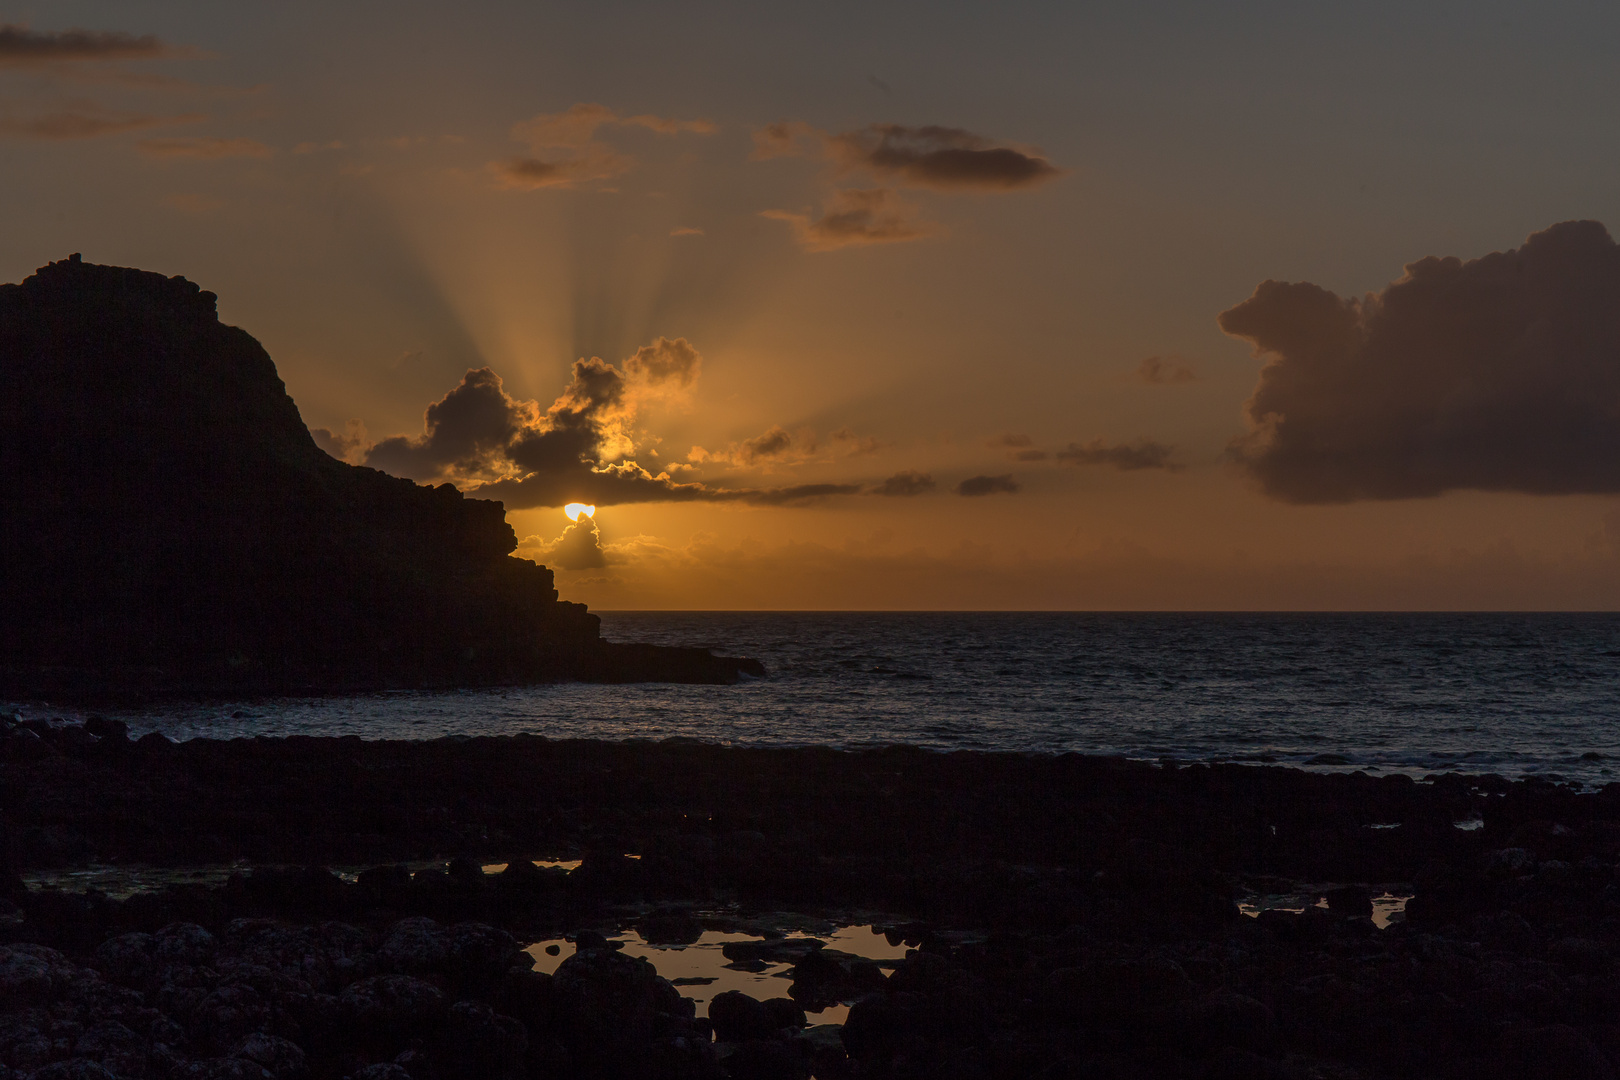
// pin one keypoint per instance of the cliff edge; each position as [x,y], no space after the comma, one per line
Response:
[167,524]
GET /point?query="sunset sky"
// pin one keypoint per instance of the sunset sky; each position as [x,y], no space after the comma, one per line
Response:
[899,306]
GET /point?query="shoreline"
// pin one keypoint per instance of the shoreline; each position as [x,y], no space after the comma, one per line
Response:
[1065,915]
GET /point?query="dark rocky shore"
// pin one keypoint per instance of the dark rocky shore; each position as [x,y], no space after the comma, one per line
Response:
[168,526]
[1071,916]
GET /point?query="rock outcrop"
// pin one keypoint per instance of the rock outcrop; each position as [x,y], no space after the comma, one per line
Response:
[167,524]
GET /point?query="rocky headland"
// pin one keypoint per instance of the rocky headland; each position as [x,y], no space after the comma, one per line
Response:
[168,525]
[1069,916]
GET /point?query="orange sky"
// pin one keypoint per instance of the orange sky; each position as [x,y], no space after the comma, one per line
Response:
[842,263]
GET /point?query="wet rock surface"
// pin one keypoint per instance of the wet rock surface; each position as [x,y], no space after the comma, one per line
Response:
[1067,916]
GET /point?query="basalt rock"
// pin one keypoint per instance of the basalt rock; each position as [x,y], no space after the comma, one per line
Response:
[168,525]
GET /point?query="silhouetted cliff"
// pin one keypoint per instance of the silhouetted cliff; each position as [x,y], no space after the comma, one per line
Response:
[167,523]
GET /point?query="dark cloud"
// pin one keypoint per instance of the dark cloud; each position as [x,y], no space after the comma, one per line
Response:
[905,483]
[987,485]
[1029,455]
[576,450]
[20,45]
[578,548]
[857,217]
[772,443]
[462,432]
[1500,373]
[801,493]
[1164,371]
[1145,454]
[942,158]
[348,444]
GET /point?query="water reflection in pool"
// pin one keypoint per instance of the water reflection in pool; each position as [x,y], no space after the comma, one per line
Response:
[701,969]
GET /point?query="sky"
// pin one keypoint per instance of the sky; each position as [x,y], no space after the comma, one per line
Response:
[911,306]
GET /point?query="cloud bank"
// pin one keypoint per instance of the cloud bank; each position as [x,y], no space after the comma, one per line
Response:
[1500,373]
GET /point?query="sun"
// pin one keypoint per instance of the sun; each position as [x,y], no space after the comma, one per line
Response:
[573,510]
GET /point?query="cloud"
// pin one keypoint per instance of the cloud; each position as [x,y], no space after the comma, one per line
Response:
[775,444]
[1146,454]
[1019,447]
[578,126]
[1501,373]
[857,217]
[85,120]
[987,485]
[857,444]
[578,548]
[350,444]
[21,46]
[575,450]
[798,494]
[686,230]
[786,138]
[905,484]
[204,147]
[596,162]
[583,157]
[941,158]
[947,159]
[1164,371]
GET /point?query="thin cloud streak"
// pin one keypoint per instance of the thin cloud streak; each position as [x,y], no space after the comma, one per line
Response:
[86,120]
[20,46]
[1144,454]
[857,217]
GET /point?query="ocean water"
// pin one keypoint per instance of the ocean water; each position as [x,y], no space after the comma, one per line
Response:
[1510,694]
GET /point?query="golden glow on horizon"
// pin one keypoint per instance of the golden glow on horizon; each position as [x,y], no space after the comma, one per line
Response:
[573,510]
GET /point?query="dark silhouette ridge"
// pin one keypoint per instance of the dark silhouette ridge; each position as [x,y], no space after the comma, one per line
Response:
[167,524]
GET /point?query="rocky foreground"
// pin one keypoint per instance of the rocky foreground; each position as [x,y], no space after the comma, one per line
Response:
[1071,916]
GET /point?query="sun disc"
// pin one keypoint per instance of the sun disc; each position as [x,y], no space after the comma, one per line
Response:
[573,510]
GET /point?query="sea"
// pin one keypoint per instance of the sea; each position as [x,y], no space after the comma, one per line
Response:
[1511,694]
